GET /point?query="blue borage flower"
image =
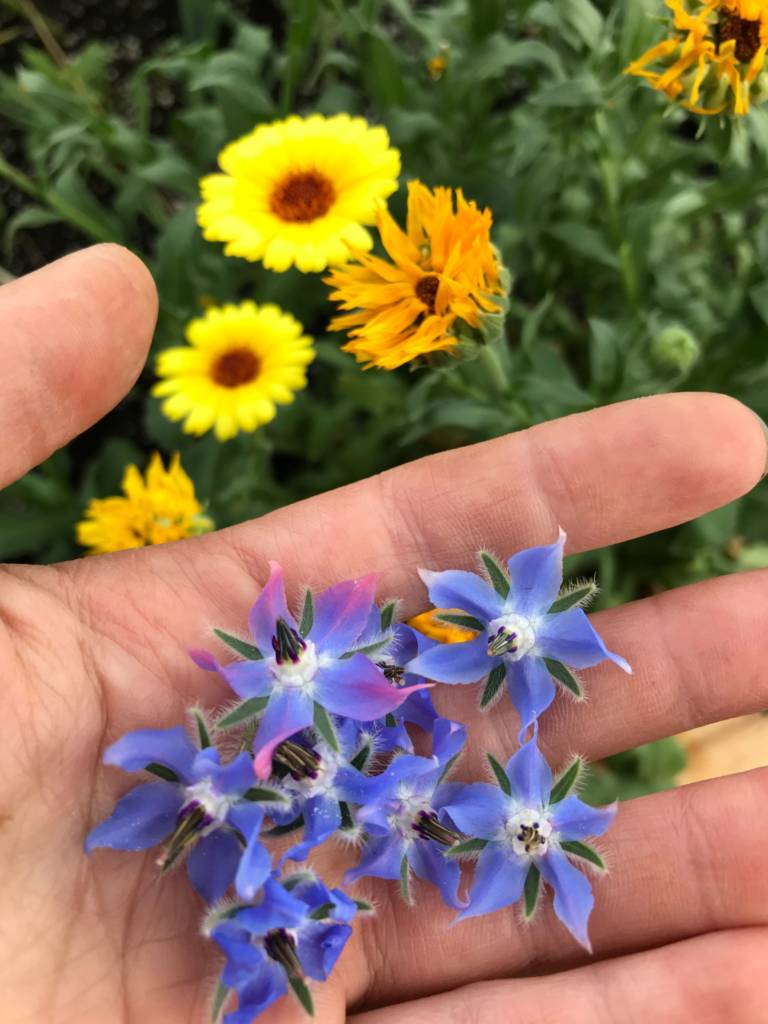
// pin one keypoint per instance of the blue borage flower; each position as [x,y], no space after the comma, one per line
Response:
[316,664]
[296,930]
[523,637]
[199,807]
[527,829]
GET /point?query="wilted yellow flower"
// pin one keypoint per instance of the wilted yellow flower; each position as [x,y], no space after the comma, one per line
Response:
[430,625]
[155,508]
[713,59]
[443,274]
[241,363]
[299,191]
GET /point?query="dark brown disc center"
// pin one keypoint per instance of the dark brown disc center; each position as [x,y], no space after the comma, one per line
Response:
[235,368]
[426,290]
[302,197]
[746,34]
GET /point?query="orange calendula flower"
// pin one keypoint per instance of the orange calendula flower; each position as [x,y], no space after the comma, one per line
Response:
[430,625]
[443,279]
[713,58]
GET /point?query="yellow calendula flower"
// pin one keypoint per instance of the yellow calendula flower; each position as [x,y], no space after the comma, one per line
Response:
[430,625]
[299,191]
[155,508]
[442,279]
[242,361]
[714,57]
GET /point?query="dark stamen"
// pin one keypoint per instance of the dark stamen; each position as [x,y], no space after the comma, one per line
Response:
[428,827]
[744,31]
[190,823]
[287,644]
[504,642]
[281,946]
[301,762]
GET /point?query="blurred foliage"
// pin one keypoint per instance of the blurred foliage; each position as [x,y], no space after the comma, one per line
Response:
[637,240]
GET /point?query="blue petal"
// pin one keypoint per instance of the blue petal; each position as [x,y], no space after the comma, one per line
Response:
[531,688]
[321,819]
[465,590]
[171,747]
[315,893]
[286,714]
[418,709]
[429,864]
[262,989]
[247,817]
[570,637]
[277,909]
[573,893]
[319,946]
[448,738]
[530,776]
[212,864]
[381,858]
[455,663]
[270,606]
[479,810]
[341,614]
[357,688]
[248,678]
[206,763]
[537,575]
[142,818]
[574,819]
[499,880]
[254,868]
[236,777]
[245,961]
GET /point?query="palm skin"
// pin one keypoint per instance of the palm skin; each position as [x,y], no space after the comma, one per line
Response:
[91,649]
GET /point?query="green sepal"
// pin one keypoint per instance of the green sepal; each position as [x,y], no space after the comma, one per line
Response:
[302,993]
[243,712]
[531,890]
[360,760]
[564,676]
[405,881]
[219,998]
[579,849]
[241,646]
[495,682]
[324,726]
[296,878]
[565,783]
[497,574]
[162,772]
[307,613]
[466,621]
[202,728]
[364,907]
[347,821]
[390,720]
[501,775]
[388,615]
[448,766]
[467,848]
[575,597]
[285,830]
[259,794]
[321,912]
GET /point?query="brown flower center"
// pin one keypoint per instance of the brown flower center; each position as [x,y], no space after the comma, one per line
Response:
[745,32]
[426,290]
[234,368]
[302,197]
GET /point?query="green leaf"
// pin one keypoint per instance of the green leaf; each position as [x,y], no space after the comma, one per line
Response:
[302,993]
[162,772]
[501,775]
[494,684]
[465,849]
[531,890]
[321,912]
[360,760]
[405,881]
[564,675]
[566,781]
[243,712]
[467,621]
[219,998]
[390,720]
[324,726]
[260,794]
[202,728]
[347,821]
[388,615]
[576,597]
[496,573]
[307,613]
[579,849]
[241,646]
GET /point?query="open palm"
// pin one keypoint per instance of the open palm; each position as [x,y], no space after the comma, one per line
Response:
[91,649]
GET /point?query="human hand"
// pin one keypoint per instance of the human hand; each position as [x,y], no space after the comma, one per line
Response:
[97,647]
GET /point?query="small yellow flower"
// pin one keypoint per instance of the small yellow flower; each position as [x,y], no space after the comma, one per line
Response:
[241,362]
[299,191]
[159,507]
[430,625]
[714,56]
[443,275]
[436,66]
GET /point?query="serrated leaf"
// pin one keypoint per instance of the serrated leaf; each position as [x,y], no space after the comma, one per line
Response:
[496,573]
[241,646]
[579,849]
[302,993]
[467,848]
[566,782]
[405,881]
[162,772]
[321,912]
[531,890]
[243,712]
[577,597]
[360,760]
[501,775]
[307,614]
[563,675]
[260,794]
[494,684]
[466,621]
[388,615]
[285,830]
[324,726]
[202,729]
[219,998]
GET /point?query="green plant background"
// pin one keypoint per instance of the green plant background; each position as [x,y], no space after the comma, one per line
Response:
[617,217]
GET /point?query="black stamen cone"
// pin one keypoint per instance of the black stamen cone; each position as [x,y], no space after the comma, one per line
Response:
[287,644]
[280,946]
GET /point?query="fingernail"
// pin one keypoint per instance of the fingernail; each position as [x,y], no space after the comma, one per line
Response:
[764,425]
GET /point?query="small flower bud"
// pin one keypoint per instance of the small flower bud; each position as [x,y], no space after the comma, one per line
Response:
[675,348]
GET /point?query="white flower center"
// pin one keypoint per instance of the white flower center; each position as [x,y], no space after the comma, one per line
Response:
[512,636]
[529,832]
[406,811]
[215,805]
[299,675]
